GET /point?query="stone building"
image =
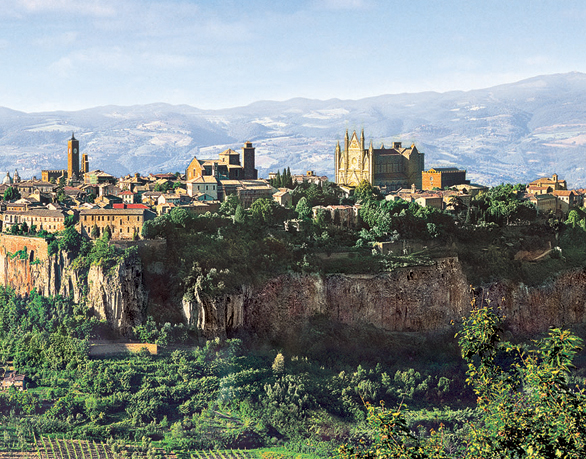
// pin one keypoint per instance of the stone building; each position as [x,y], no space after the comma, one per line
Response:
[99,177]
[73,158]
[13,379]
[53,175]
[546,185]
[227,167]
[124,223]
[204,184]
[441,177]
[389,168]
[44,219]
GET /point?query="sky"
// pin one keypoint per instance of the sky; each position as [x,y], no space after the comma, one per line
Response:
[75,54]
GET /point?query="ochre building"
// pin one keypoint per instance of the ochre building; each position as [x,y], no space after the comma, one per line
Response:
[441,177]
[390,168]
[227,167]
[123,223]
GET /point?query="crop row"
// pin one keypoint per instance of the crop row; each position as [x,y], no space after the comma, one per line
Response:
[54,448]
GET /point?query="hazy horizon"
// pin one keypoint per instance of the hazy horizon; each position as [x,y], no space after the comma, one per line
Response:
[71,55]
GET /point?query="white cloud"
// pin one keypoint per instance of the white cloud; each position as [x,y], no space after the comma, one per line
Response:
[343,4]
[21,8]
[58,40]
[110,59]
[537,60]
[166,60]
[77,7]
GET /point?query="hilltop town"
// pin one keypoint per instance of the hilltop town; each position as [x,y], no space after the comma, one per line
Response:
[209,308]
[97,201]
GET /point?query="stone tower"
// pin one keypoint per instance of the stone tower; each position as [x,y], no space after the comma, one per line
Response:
[73,158]
[85,164]
[248,153]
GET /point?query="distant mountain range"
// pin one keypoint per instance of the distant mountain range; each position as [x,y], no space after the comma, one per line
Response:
[508,133]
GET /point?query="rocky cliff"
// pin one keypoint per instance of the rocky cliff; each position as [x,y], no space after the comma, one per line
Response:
[418,299]
[116,295]
[415,299]
[421,299]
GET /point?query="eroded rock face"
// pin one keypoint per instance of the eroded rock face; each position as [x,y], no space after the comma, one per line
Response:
[116,295]
[560,303]
[421,299]
[415,299]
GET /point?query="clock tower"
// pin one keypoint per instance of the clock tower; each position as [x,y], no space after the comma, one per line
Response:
[73,158]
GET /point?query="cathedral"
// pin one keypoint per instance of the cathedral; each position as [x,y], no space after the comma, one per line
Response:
[389,168]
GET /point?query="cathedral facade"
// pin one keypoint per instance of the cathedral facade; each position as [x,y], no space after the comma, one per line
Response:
[390,168]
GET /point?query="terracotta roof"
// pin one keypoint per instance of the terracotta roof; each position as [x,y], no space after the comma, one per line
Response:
[445,169]
[112,212]
[204,179]
[13,376]
[563,192]
[38,212]
[119,205]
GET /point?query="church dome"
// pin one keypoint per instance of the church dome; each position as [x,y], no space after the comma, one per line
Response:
[7,180]
[16,176]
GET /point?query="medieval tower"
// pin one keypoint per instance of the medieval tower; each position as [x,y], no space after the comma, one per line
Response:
[73,158]
[248,153]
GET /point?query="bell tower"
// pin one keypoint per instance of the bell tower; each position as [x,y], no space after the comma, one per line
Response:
[73,158]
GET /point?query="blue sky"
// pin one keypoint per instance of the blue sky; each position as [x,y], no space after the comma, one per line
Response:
[74,54]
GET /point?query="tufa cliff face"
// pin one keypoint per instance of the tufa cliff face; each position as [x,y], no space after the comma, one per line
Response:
[116,295]
[415,299]
[559,303]
[421,299]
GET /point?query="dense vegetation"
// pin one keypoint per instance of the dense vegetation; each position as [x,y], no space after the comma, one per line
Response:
[326,390]
[218,395]
[224,395]
[529,404]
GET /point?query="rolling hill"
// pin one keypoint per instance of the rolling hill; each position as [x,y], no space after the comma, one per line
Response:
[508,133]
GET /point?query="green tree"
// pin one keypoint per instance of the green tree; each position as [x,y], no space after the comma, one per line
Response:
[69,221]
[320,218]
[303,209]
[229,205]
[277,181]
[240,214]
[279,363]
[573,219]
[180,217]
[529,408]
[263,210]
[70,240]
[11,194]
[526,404]
[149,230]
[107,233]
[95,233]
[364,190]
